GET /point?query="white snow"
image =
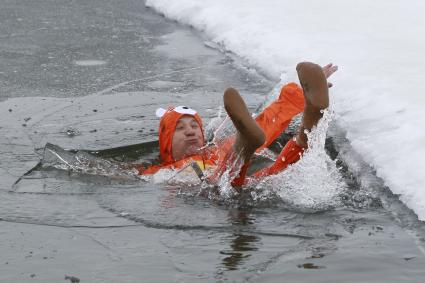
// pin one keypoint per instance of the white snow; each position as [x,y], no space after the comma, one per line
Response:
[378,93]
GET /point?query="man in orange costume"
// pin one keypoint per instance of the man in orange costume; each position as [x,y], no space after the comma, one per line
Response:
[181,138]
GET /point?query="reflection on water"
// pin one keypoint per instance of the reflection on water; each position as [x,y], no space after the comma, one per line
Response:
[241,245]
[240,248]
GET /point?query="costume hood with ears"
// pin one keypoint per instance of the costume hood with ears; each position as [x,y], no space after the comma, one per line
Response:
[167,126]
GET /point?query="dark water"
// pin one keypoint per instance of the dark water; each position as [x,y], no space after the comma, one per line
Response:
[89,75]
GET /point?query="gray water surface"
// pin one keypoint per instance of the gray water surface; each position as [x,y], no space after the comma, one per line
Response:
[88,75]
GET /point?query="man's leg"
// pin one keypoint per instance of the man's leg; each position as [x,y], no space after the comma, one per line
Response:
[249,135]
[248,138]
[316,96]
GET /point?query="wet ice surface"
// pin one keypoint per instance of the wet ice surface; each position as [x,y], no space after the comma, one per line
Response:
[116,228]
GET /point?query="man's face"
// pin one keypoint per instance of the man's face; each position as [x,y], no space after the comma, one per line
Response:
[187,138]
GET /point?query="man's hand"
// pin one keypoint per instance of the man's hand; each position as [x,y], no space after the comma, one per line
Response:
[328,70]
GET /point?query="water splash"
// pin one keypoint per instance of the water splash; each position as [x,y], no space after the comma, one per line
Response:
[313,183]
[185,176]
[214,124]
[233,165]
[224,130]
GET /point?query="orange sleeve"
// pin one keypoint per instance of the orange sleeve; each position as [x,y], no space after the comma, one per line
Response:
[290,154]
[143,170]
[276,117]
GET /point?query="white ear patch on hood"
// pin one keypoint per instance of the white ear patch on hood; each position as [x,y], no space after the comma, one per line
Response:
[160,112]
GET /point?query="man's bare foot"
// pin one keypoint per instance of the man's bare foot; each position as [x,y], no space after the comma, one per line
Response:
[250,136]
[313,81]
[314,84]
